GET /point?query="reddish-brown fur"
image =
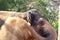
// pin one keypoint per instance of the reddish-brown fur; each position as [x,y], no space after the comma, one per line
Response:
[15,28]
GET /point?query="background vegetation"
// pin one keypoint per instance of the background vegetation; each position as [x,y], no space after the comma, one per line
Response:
[48,8]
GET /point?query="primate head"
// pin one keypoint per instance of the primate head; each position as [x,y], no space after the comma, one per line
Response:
[41,25]
[35,20]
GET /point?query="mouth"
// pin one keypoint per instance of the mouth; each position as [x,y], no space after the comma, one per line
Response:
[43,33]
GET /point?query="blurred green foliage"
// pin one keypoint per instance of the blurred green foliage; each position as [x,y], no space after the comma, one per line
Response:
[24,5]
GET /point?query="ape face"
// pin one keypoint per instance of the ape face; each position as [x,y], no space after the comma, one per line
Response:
[38,24]
[41,26]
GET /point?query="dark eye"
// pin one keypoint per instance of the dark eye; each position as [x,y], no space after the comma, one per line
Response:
[41,23]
